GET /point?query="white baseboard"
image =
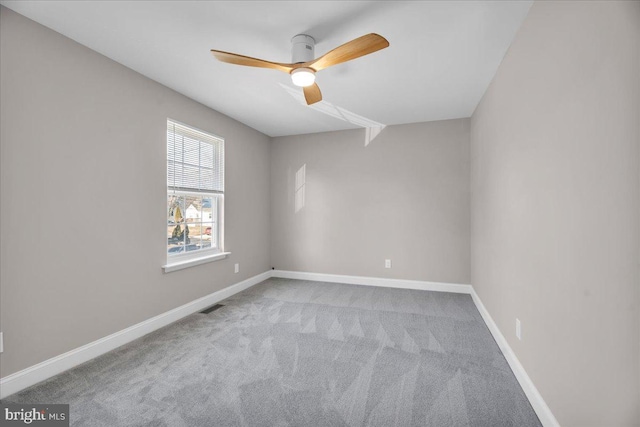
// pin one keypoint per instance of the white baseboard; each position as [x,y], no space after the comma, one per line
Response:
[537,402]
[56,365]
[375,281]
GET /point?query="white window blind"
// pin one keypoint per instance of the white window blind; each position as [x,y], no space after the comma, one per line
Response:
[195,160]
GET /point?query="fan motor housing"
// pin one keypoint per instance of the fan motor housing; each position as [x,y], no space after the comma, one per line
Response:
[302,48]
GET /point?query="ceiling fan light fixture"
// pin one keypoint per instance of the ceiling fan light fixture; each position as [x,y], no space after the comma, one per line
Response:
[303,77]
[303,66]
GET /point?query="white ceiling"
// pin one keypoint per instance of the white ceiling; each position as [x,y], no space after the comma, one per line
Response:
[442,57]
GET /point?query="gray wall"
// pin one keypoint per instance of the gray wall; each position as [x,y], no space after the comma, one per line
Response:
[84,196]
[555,178]
[404,197]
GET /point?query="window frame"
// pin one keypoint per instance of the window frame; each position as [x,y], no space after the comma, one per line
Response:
[188,258]
[217,222]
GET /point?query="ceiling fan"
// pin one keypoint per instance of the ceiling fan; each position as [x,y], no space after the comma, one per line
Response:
[304,67]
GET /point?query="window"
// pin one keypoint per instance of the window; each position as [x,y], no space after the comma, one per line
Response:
[195,192]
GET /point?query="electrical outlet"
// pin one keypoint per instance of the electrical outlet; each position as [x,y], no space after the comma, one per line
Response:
[387,263]
[1,342]
[237,268]
[518,329]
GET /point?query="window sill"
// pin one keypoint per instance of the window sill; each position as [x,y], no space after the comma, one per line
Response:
[179,265]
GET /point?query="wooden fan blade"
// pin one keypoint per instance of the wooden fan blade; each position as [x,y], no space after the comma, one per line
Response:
[351,50]
[234,58]
[312,94]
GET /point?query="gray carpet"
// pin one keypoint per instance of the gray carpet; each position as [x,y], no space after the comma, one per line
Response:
[295,353]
